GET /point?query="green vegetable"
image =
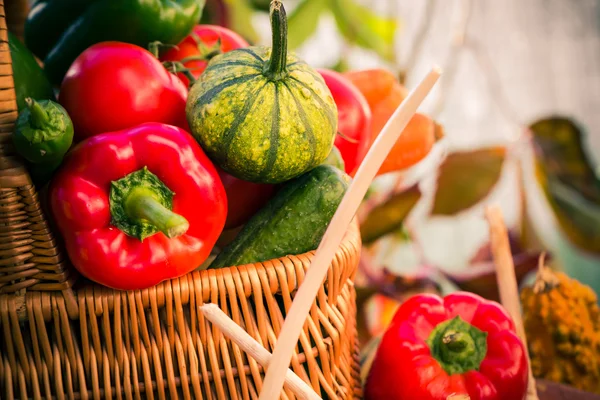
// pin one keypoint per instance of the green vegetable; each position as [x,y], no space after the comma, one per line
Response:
[262,5]
[29,78]
[57,31]
[293,222]
[263,116]
[335,158]
[43,132]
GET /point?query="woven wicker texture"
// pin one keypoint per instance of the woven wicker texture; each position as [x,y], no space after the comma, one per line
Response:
[29,257]
[67,340]
[123,343]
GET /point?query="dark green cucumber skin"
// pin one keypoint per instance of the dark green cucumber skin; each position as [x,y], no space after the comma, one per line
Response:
[292,223]
[29,78]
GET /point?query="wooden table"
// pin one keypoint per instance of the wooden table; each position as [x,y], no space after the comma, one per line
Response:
[553,391]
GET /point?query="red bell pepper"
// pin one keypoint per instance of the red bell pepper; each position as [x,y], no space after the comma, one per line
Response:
[437,348]
[354,119]
[138,206]
[113,86]
[204,43]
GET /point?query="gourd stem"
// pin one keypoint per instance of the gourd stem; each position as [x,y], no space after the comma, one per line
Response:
[276,67]
[38,117]
[141,205]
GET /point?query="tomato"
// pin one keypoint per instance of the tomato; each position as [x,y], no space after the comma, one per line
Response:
[244,198]
[412,146]
[354,119]
[113,86]
[374,84]
[384,94]
[204,47]
[383,110]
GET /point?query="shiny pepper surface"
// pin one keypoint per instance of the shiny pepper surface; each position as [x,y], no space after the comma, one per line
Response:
[440,349]
[138,206]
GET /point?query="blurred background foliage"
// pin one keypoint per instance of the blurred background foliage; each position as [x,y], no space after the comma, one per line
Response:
[517,101]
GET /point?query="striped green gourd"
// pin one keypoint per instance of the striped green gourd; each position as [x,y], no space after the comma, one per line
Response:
[261,114]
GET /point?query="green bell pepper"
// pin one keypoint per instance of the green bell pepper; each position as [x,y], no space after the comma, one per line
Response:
[57,31]
[30,79]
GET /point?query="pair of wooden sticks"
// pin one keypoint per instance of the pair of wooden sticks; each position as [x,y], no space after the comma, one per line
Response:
[277,364]
[507,283]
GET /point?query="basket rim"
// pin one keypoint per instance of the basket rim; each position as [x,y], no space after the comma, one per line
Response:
[350,241]
[213,282]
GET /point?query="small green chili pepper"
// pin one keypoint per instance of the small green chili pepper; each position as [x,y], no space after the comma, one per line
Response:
[44,132]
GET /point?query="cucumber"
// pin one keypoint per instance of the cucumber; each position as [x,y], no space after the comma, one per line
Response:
[335,158]
[293,222]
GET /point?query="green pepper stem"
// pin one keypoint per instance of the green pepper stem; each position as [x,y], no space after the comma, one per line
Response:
[455,341]
[276,67]
[142,205]
[458,346]
[38,117]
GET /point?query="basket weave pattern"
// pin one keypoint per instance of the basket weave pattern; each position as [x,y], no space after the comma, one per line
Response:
[64,337]
[29,257]
[121,343]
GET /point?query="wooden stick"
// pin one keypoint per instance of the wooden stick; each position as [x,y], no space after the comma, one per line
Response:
[507,282]
[247,343]
[292,326]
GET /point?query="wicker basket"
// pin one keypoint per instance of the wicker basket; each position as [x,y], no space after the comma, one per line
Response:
[64,337]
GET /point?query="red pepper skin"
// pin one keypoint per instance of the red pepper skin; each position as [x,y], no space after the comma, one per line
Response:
[354,119]
[244,198]
[208,36]
[404,367]
[113,86]
[79,197]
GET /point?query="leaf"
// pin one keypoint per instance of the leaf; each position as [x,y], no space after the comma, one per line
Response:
[361,26]
[569,180]
[240,19]
[480,278]
[388,216]
[303,21]
[466,178]
[528,237]
[367,356]
[341,66]
[363,294]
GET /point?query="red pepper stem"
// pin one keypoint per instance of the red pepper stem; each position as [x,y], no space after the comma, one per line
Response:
[141,204]
[38,117]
